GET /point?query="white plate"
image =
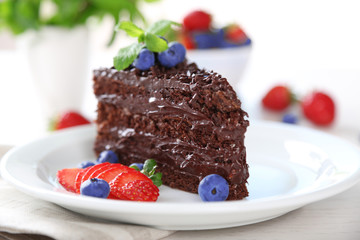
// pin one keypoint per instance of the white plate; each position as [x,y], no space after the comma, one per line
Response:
[290,167]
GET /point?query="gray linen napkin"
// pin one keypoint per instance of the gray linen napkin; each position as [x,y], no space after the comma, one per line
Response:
[22,214]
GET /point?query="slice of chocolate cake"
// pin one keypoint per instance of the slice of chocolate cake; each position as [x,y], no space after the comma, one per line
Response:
[188,119]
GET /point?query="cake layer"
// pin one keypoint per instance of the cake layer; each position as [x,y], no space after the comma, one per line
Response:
[187,119]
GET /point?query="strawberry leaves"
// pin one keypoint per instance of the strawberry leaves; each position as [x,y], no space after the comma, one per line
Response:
[149,38]
[149,170]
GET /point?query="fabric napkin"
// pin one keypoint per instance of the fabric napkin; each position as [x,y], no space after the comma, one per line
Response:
[22,214]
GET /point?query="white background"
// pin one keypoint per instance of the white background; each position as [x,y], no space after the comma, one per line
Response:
[305,44]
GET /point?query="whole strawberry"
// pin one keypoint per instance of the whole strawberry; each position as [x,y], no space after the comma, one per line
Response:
[188,41]
[319,108]
[197,20]
[70,119]
[278,98]
[235,34]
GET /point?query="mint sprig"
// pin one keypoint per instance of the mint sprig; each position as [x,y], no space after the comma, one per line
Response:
[149,38]
[161,27]
[127,55]
[130,28]
[154,43]
[149,169]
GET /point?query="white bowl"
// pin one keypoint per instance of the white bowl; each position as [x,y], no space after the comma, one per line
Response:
[229,62]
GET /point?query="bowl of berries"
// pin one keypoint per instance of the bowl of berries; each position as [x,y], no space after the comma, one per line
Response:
[223,49]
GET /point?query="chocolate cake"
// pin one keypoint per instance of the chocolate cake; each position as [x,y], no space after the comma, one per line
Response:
[186,118]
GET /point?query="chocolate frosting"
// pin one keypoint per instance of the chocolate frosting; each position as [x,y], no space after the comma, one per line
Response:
[185,93]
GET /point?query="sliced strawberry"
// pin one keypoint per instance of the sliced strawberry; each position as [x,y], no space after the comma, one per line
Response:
[88,172]
[108,174]
[138,190]
[79,176]
[66,178]
[112,197]
[124,178]
[100,170]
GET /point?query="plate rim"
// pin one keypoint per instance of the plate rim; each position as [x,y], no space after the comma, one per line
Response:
[253,205]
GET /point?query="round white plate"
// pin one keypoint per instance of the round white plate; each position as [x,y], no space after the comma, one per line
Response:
[290,167]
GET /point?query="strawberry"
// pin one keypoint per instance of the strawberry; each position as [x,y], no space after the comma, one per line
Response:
[96,171]
[137,190]
[89,171]
[319,108]
[69,119]
[126,177]
[126,183]
[86,174]
[66,178]
[78,178]
[110,172]
[235,34]
[197,20]
[278,98]
[188,41]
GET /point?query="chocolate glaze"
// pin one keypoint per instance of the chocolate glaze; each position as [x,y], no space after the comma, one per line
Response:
[188,119]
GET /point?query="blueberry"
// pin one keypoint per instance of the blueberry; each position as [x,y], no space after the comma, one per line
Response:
[107,156]
[173,55]
[226,44]
[145,60]
[247,42]
[140,166]
[290,118]
[214,39]
[86,164]
[95,187]
[213,187]
[204,40]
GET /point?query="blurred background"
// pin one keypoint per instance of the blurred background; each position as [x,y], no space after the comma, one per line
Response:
[307,45]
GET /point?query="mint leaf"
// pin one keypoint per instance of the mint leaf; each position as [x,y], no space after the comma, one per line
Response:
[141,38]
[155,43]
[156,179]
[135,167]
[130,28]
[127,55]
[161,27]
[149,170]
[149,165]
[149,39]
